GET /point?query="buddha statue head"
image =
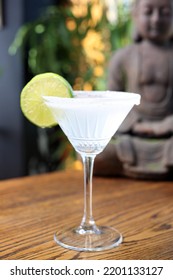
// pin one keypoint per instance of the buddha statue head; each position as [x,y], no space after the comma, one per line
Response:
[153,20]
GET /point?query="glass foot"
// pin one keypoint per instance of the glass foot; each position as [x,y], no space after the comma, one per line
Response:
[104,238]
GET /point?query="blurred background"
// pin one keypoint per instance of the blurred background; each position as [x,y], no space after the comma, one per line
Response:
[72,38]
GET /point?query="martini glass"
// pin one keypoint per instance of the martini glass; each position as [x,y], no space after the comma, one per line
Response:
[89,120]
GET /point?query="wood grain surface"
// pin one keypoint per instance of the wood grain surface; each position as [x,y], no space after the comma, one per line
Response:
[32,207]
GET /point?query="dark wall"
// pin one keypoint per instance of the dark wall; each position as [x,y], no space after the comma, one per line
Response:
[11,80]
[12,77]
[33,8]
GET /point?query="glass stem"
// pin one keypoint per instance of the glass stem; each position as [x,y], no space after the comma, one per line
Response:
[88,223]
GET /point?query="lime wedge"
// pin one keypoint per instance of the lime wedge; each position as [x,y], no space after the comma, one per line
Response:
[32,103]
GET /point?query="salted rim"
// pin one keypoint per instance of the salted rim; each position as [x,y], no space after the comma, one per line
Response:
[91,96]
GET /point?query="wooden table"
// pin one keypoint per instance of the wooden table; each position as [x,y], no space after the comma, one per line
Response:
[32,207]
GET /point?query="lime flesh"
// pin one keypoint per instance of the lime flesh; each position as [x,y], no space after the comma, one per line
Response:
[31,100]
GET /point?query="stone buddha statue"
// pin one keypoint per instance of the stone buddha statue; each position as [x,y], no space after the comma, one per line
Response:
[143,145]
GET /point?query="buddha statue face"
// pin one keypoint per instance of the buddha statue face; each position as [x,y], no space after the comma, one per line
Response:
[153,19]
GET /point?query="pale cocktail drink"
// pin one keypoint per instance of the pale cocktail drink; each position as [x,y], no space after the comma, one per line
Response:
[89,120]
